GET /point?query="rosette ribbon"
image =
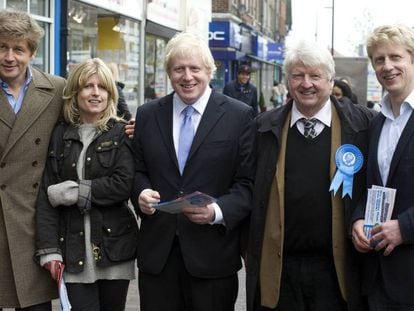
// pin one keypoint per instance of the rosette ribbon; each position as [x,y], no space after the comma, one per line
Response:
[349,161]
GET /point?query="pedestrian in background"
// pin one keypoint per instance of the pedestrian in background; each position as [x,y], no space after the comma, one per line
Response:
[388,269]
[300,254]
[82,214]
[242,89]
[193,139]
[276,96]
[122,109]
[30,104]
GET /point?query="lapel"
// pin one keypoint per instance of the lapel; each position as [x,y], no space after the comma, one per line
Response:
[373,154]
[215,109]
[7,115]
[37,98]
[404,141]
[164,117]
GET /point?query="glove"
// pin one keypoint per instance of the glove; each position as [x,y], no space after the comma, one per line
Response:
[65,193]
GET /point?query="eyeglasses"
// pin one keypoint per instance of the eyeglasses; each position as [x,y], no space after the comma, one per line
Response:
[312,77]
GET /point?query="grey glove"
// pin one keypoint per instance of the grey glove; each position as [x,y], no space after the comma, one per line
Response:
[65,193]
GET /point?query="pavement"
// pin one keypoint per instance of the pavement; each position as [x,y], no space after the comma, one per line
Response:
[133,298]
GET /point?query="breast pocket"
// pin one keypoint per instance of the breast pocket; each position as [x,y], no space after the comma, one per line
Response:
[106,152]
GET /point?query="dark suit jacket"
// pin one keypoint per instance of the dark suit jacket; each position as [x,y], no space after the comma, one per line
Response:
[220,163]
[397,269]
[354,130]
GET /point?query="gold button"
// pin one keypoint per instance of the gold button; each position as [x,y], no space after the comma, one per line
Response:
[61,239]
[81,233]
[80,263]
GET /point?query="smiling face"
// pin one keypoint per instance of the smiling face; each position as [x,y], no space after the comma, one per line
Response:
[189,78]
[92,100]
[15,57]
[243,77]
[394,69]
[310,87]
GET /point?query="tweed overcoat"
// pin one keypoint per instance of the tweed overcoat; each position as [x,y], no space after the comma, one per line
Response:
[24,140]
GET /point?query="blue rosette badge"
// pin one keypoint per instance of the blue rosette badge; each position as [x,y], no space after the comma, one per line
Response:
[349,160]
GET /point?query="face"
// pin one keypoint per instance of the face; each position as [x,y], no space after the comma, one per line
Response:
[243,77]
[92,100]
[394,69]
[15,57]
[310,87]
[337,92]
[189,78]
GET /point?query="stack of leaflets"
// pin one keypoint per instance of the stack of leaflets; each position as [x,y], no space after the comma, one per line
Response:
[190,200]
[380,203]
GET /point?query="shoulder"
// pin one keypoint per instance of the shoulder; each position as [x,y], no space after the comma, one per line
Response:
[229,103]
[44,80]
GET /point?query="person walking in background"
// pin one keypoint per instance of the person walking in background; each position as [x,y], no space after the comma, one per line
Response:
[82,214]
[30,104]
[388,269]
[122,109]
[342,91]
[242,89]
[276,96]
[193,139]
[299,254]
[353,97]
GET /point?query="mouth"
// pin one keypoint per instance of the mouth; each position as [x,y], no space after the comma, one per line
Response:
[390,77]
[188,86]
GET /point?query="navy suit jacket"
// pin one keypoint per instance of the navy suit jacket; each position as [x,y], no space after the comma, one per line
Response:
[220,163]
[397,269]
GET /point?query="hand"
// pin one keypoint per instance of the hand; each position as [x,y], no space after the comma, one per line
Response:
[146,199]
[387,235]
[359,238]
[54,267]
[130,128]
[200,215]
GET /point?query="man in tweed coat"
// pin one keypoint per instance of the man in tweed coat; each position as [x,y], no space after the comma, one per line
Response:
[30,104]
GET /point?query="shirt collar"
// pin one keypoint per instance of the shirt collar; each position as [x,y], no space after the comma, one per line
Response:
[386,105]
[200,105]
[324,115]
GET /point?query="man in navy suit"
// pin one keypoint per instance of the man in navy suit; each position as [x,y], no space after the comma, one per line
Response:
[189,261]
[389,269]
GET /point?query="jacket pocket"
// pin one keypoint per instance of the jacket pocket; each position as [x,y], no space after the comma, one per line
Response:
[106,152]
[120,241]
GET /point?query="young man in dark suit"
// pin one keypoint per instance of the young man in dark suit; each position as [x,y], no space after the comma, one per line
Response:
[389,269]
[189,261]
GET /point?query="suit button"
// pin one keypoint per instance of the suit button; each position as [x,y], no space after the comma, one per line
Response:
[35,185]
[2,187]
[34,163]
[37,141]
[2,164]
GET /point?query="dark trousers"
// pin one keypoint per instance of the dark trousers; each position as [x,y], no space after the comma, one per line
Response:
[309,284]
[378,300]
[47,306]
[176,290]
[103,295]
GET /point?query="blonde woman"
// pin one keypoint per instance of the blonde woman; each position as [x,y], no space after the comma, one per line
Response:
[82,217]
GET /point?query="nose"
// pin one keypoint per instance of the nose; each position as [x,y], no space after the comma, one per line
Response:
[95,90]
[187,74]
[306,81]
[387,64]
[9,54]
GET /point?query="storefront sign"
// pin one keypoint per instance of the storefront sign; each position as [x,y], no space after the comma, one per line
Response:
[224,34]
[131,8]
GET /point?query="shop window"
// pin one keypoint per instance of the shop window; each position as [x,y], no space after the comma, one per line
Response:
[96,32]
[155,75]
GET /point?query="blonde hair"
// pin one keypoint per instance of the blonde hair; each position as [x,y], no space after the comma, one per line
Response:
[391,34]
[77,80]
[18,25]
[186,45]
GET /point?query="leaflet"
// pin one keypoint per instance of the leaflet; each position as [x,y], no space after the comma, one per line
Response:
[379,207]
[194,199]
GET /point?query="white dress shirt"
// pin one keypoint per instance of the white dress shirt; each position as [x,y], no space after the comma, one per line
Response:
[391,132]
[324,117]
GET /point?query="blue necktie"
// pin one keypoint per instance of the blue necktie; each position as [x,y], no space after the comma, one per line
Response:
[186,137]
